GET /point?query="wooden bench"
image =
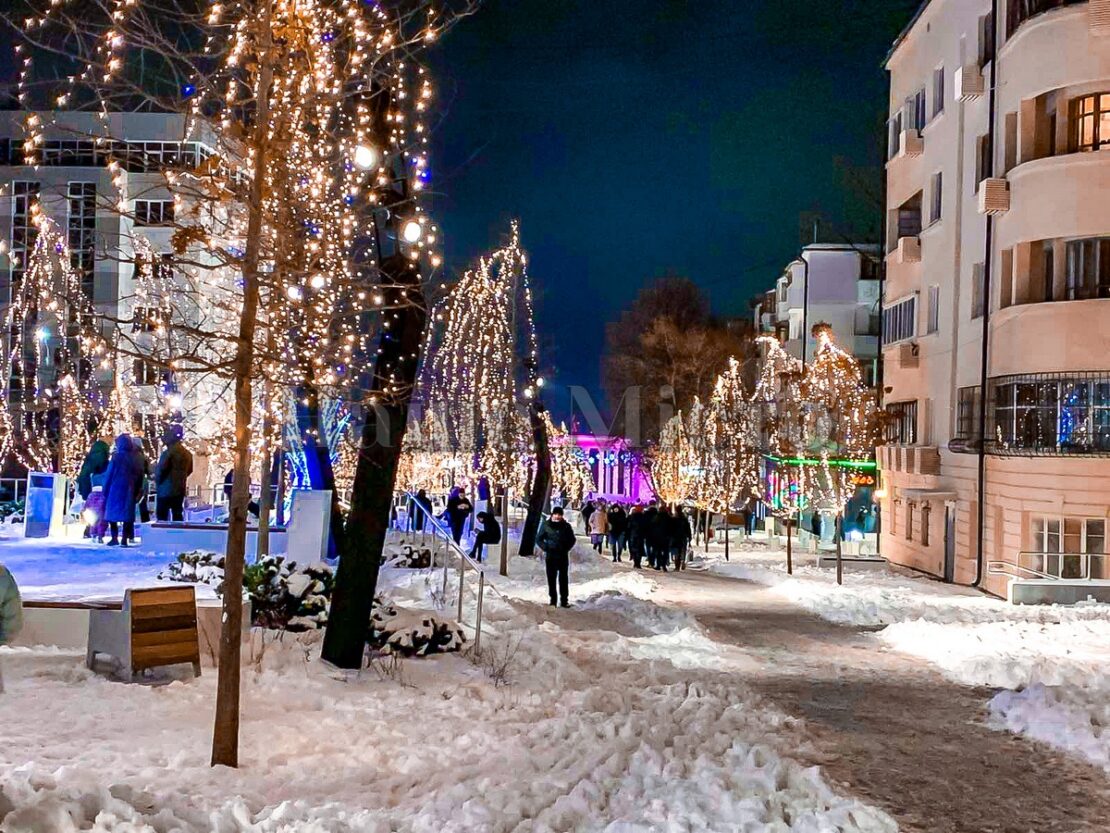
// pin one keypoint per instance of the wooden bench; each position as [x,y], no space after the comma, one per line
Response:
[155,627]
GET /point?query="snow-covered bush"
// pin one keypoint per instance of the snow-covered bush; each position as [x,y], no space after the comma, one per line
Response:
[407,556]
[397,630]
[282,594]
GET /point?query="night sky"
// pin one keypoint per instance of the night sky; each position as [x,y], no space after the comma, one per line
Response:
[633,139]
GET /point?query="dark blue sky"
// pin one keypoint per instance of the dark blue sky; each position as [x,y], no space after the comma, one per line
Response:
[637,138]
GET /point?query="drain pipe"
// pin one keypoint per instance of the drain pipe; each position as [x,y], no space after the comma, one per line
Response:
[984,357]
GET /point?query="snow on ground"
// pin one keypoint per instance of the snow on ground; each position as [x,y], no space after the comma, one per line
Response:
[1053,662]
[622,718]
[51,569]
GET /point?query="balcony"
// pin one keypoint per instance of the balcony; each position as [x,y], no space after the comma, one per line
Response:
[1058,196]
[1050,337]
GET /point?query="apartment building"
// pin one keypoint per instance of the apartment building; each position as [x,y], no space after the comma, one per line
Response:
[110,219]
[996,304]
[837,284]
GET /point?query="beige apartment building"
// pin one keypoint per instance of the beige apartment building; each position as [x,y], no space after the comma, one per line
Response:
[996,304]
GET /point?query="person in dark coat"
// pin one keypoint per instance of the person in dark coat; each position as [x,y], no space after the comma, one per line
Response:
[171,476]
[96,462]
[490,533]
[122,484]
[659,537]
[458,510]
[618,528]
[587,510]
[680,538]
[636,533]
[556,538]
[253,507]
[649,542]
[144,487]
[419,510]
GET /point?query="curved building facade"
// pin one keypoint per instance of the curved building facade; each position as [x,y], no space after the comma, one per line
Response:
[996,342]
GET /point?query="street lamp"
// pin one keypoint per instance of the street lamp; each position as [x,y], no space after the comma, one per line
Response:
[366,156]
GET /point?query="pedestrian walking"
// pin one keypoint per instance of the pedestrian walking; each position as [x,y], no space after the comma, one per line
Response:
[11,612]
[95,463]
[599,526]
[556,538]
[122,484]
[420,509]
[587,512]
[636,533]
[659,538]
[618,527]
[458,510]
[490,533]
[171,476]
[680,537]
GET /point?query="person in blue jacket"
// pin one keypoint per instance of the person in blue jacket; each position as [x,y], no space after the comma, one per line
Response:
[122,487]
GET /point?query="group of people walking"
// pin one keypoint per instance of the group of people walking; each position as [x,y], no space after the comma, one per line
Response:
[653,533]
[115,483]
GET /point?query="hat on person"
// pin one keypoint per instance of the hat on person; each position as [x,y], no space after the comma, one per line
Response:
[558,510]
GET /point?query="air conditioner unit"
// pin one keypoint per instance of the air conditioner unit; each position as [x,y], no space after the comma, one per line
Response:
[909,250]
[910,143]
[994,196]
[1099,17]
[909,355]
[969,82]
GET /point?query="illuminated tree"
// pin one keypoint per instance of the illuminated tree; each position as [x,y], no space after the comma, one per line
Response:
[302,203]
[570,472]
[732,434]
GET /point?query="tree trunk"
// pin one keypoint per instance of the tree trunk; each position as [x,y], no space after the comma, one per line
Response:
[225,731]
[383,430]
[789,554]
[541,482]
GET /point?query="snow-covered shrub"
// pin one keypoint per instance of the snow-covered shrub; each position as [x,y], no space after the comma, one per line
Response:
[397,630]
[407,556]
[282,594]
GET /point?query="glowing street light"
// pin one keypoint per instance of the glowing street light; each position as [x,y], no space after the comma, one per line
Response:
[366,156]
[412,231]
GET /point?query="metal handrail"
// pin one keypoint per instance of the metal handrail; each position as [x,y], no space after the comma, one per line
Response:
[441,533]
[1085,561]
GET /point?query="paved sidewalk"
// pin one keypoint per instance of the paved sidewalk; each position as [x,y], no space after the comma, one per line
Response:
[889,727]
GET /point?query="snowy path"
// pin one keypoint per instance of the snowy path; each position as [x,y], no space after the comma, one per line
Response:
[888,726]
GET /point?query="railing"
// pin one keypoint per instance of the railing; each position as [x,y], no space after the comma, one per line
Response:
[433,526]
[1055,566]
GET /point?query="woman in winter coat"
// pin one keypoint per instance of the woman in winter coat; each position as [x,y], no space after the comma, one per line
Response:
[11,612]
[599,526]
[122,485]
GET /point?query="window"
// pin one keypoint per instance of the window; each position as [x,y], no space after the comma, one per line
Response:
[909,218]
[143,320]
[933,323]
[986,39]
[936,203]
[1064,545]
[24,232]
[901,423]
[900,320]
[153,212]
[925,512]
[1052,414]
[1018,11]
[967,413]
[1091,117]
[1048,270]
[938,91]
[982,160]
[81,231]
[909,521]
[919,110]
[145,373]
[978,289]
[894,135]
[1088,268]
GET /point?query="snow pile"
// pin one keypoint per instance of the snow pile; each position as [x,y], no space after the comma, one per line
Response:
[591,735]
[1076,720]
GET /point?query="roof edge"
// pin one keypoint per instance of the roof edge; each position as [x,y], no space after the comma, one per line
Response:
[905,32]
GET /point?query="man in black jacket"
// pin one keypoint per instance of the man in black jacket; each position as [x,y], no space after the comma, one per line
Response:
[171,476]
[637,532]
[557,539]
[490,533]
